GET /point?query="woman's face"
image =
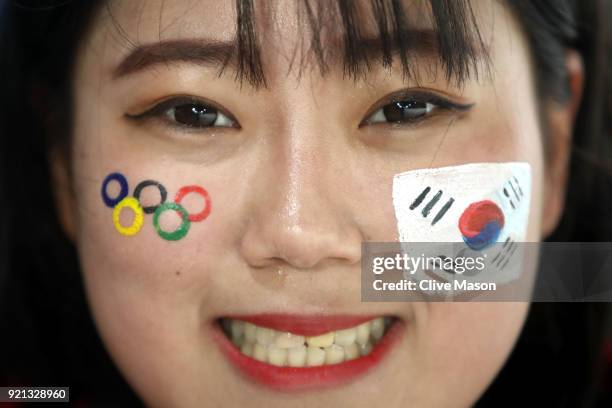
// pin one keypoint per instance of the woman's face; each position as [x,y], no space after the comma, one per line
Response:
[299,173]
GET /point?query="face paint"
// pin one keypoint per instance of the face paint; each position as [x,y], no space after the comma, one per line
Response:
[478,204]
[120,178]
[122,201]
[149,183]
[202,215]
[181,231]
[134,205]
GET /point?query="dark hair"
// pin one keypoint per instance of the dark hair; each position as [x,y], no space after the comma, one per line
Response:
[48,336]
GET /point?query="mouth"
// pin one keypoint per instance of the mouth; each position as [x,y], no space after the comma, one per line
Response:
[288,352]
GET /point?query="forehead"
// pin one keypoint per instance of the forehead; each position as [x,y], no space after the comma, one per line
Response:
[283,32]
[216,19]
[153,20]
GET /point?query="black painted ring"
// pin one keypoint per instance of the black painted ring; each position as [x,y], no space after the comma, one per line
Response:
[147,183]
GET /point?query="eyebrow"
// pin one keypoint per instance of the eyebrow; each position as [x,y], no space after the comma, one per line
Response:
[222,53]
[212,53]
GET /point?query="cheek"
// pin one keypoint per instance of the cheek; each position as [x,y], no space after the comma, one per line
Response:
[463,345]
[130,234]
[147,293]
[506,128]
[376,193]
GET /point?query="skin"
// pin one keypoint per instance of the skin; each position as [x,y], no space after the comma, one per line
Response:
[295,191]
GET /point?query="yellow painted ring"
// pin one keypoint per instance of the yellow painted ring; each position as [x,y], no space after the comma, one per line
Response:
[134,205]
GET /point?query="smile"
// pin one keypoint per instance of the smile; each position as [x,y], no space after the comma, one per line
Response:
[297,352]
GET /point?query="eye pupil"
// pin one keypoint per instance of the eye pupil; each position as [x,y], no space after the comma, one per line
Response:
[404,110]
[195,115]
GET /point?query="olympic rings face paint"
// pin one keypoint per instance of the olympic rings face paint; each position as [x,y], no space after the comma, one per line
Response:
[111,202]
[147,183]
[198,190]
[181,231]
[122,201]
[134,205]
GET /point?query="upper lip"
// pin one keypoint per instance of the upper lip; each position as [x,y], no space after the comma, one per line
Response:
[304,325]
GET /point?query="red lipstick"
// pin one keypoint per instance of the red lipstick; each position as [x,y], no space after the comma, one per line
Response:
[304,325]
[305,378]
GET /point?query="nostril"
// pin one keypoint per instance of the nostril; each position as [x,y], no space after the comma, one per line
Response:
[315,237]
[304,257]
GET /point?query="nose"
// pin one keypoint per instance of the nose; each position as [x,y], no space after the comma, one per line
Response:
[302,216]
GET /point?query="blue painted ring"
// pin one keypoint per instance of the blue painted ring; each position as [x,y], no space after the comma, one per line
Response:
[120,178]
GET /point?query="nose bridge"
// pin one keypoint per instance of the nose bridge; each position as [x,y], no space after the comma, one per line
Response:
[303,166]
[304,183]
[300,221]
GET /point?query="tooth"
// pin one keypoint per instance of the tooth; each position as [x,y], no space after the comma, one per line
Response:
[226,324]
[247,349]
[239,341]
[363,333]
[351,352]
[260,352]
[365,349]
[323,340]
[297,356]
[334,354]
[277,355]
[345,337]
[288,340]
[265,336]
[314,356]
[237,329]
[378,328]
[249,332]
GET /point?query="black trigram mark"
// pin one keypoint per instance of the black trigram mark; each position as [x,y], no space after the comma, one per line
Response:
[509,199]
[517,192]
[518,185]
[435,276]
[431,204]
[443,258]
[505,254]
[420,198]
[443,211]
[514,191]
[506,242]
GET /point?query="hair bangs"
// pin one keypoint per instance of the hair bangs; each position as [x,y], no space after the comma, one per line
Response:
[457,42]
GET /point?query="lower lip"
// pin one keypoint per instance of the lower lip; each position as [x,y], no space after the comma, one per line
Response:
[306,378]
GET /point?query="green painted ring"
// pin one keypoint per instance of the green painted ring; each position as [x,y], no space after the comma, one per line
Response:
[181,231]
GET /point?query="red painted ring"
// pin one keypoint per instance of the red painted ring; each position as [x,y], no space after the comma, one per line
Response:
[198,190]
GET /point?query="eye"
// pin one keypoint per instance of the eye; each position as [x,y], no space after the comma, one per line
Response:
[198,116]
[402,111]
[411,107]
[186,112]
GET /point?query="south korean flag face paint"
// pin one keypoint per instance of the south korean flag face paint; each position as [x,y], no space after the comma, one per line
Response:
[483,206]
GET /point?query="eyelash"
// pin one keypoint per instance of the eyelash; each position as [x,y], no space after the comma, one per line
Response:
[398,103]
[167,111]
[429,103]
